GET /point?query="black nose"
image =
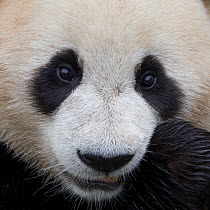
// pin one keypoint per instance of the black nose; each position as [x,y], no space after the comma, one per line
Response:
[105,164]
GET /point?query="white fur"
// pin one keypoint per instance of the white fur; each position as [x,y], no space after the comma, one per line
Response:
[104,115]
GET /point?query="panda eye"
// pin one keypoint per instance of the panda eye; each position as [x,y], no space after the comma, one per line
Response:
[66,73]
[148,81]
[154,85]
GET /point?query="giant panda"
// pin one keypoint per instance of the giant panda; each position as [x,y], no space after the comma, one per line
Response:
[84,84]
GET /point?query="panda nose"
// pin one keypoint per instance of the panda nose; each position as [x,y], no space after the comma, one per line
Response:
[105,164]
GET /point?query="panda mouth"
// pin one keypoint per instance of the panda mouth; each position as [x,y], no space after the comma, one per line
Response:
[103,183]
[106,184]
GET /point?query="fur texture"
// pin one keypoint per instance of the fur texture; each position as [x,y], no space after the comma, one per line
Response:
[104,114]
[174,174]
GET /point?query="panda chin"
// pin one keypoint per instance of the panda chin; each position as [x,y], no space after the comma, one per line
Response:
[96,190]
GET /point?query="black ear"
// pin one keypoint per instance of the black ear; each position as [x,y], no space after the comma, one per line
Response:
[175,172]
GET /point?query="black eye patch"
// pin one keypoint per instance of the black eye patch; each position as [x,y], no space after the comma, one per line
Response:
[48,88]
[160,91]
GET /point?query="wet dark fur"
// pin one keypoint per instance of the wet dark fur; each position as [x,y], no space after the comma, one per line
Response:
[175,174]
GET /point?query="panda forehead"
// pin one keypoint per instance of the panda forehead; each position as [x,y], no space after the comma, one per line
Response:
[109,27]
[100,30]
[90,20]
[108,31]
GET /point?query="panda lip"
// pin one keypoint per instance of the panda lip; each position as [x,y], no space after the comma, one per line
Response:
[105,183]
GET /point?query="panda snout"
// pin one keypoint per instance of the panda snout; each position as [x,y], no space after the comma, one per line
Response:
[103,164]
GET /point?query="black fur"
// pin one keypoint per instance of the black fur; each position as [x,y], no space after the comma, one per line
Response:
[165,96]
[175,174]
[47,90]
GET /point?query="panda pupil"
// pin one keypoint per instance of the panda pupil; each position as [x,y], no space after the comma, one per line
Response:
[148,81]
[65,73]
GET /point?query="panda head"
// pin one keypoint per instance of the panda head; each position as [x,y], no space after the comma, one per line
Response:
[83,84]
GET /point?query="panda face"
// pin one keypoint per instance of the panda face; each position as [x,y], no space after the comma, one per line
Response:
[100,125]
[90,81]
